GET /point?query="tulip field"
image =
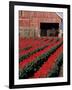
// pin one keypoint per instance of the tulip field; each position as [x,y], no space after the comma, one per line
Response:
[40,57]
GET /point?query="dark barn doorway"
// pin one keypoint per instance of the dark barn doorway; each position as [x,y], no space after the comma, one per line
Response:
[52,27]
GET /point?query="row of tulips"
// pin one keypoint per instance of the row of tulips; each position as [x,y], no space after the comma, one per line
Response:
[35,44]
[34,65]
[56,69]
[31,42]
[26,53]
[37,54]
[46,69]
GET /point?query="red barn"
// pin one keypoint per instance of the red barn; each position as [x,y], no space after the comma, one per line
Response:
[38,24]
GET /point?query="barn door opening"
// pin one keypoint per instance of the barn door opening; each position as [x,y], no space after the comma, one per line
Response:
[48,28]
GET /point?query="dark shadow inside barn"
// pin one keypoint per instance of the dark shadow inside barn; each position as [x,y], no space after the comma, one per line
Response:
[49,29]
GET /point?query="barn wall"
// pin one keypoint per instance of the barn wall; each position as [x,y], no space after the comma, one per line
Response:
[29,21]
